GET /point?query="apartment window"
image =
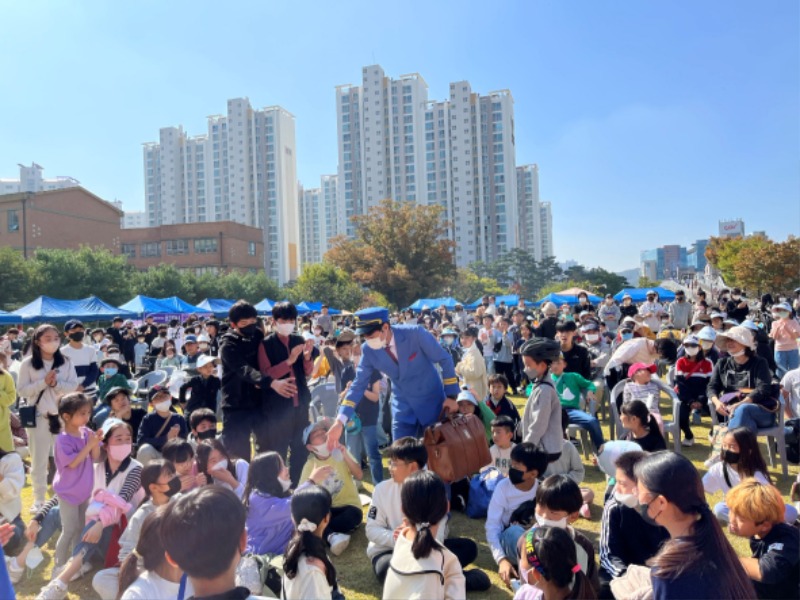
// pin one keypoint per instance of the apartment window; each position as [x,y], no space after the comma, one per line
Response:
[13,220]
[129,250]
[205,245]
[149,249]
[177,247]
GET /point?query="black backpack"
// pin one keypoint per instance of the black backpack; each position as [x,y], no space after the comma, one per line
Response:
[793,441]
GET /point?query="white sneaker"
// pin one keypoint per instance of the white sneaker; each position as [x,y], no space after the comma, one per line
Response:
[85,568]
[36,507]
[55,590]
[687,443]
[15,572]
[338,543]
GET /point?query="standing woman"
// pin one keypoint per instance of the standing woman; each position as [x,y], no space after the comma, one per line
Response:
[44,376]
[697,561]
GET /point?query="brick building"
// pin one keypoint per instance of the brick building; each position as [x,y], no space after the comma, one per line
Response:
[65,218]
[200,247]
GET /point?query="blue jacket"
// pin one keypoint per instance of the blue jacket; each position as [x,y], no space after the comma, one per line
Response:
[269,524]
[418,391]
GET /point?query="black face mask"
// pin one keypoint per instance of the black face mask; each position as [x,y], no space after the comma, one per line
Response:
[730,457]
[208,434]
[647,518]
[77,336]
[248,330]
[174,487]
[162,334]
[516,476]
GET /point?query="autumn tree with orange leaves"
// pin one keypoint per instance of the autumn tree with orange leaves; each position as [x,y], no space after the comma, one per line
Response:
[756,263]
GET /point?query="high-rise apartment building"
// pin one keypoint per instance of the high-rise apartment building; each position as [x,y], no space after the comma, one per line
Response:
[31,180]
[310,230]
[533,230]
[243,170]
[458,153]
[546,220]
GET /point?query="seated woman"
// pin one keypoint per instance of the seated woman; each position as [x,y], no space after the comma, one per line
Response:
[642,426]
[748,378]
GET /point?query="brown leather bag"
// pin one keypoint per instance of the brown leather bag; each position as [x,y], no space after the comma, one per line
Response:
[457,447]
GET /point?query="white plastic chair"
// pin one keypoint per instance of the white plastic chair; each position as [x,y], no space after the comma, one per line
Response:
[575,430]
[671,428]
[324,402]
[776,435]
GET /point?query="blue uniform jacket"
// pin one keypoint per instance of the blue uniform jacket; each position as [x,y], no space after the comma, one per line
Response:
[418,391]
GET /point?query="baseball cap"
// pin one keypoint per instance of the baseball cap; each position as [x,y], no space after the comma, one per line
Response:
[324,423]
[639,366]
[205,359]
[156,390]
[72,324]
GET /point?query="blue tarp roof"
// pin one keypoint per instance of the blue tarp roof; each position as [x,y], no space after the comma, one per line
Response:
[265,306]
[510,300]
[317,307]
[434,303]
[218,306]
[144,305]
[640,294]
[53,309]
[181,306]
[6,318]
[559,299]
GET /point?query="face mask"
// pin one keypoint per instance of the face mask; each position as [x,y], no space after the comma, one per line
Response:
[542,522]
[524,574]
[679,298]
[248,330]
[626,303]
[515,476]
[592,338]
[321,450]
[692,350]
[629,500]
[780,315]
[706,345]
[163,406]
[730,457]
[647,518]
[223,464]
[285,329]
[110,371]
[737,354]
[208,434]
[163,334]
[531,374]
[77,336]
[286,484]
[50,347]
[120,452]
[448,341]
[626,336]
[174,487]
[376,343]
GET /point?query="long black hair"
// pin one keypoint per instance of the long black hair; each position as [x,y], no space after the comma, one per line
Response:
[68,404]
[152,471]
[203,453]
[750,459]
[149,548]
[638,409]
[551,552]
[262,477]
[423,498]
[674,477]
[312,504]
[37,362]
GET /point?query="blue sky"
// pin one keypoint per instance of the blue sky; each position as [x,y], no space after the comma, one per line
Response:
[650,121]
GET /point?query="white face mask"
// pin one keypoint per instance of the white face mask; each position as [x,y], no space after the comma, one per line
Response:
[50,347]
[163,406]
[376,343]
[285,328]
[542,522]
[592,338]
[780,315]
[692,350]
[737,354]
[629,500]
[223,464]
[321,450]
[706,346]
[286,484]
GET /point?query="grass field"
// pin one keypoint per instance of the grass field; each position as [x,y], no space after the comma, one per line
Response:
[355,570]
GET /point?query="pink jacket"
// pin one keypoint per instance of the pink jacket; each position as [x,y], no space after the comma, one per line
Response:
[106,507]
[785,333]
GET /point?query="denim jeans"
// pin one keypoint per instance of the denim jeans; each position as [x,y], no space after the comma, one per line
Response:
[751,416]
[367,439]
[588,422]
[50,524]
[508,541]
[489,360]
[786,360]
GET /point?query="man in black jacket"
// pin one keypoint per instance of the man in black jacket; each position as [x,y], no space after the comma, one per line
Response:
[243,384]
[577,357]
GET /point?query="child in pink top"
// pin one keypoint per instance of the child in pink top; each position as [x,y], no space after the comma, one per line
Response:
[75,449]
[785,332]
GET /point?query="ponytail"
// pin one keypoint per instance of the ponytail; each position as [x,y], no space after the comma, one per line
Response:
[310,544]
[54,424]
[424,502]
[149,550]
[310,506]
[582,588]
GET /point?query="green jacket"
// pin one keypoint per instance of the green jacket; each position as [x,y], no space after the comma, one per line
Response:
[570,386]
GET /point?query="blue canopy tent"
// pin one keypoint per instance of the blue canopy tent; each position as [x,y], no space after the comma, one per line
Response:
[559,299]
[7,318]
[219,307]
[144,305]
[265,306]
[182,307]
[433,303]
[510,300]
[92,308]
[640,294]
[317,307]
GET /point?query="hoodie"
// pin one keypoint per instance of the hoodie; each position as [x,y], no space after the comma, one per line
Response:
[269,523]
[240,374]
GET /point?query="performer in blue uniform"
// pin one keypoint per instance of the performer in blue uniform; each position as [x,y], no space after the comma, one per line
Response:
[408,355]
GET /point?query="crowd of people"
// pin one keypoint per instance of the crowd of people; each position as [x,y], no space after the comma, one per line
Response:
[223,480]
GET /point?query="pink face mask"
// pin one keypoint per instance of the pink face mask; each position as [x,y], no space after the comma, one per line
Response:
[120,452]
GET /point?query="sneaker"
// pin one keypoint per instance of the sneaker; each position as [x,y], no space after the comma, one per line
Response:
[476,580]
[687,442]
[85,568]
[338,543]
[35,507]
[585,511]
[15,572]
[55,590]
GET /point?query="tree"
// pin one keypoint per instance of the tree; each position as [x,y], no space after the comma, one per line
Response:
[72,274]
[605,282]
[400,249]
[468,286]
[326,283]
[756,263]
[163,281]
[19,277]
[253,287]
[556,286]
[644,282]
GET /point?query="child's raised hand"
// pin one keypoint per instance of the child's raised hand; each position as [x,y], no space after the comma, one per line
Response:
[173,432]
[201,479]
[95,439]
[320,474]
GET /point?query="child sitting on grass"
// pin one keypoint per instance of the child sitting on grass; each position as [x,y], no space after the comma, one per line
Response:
[502,434]
[346,513]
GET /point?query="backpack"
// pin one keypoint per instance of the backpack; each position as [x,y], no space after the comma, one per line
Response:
[481,489]
[793,441]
